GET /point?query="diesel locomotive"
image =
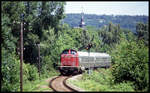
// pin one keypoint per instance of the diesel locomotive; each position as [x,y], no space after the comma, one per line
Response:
[73,61]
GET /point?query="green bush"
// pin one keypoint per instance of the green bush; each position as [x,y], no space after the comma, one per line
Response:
[47,67]
[11,72]
[124,87]
[130,61]
[32,72]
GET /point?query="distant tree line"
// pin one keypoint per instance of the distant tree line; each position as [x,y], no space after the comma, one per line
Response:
[98,21]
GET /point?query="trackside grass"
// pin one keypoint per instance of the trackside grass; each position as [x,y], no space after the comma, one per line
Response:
[101,80]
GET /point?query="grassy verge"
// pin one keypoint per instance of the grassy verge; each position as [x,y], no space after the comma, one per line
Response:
[40,85]
[101,81]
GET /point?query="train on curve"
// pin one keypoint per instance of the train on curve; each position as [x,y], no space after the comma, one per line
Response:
[73,61]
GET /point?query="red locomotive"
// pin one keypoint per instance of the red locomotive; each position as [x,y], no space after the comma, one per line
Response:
[73,61]
[69,61]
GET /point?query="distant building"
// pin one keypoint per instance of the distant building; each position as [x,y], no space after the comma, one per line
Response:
[82,23]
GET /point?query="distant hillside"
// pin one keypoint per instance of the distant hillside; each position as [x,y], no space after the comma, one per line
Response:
[125,21]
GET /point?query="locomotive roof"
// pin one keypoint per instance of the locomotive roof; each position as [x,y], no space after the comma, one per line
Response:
[95,54]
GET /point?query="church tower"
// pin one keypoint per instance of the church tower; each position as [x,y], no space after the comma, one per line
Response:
[82,23]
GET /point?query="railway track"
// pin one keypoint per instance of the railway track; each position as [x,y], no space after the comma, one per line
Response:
[58,84]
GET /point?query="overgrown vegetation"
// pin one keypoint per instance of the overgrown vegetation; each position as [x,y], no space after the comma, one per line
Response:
[102,81]
[36,17]
[43,24]
[130,63]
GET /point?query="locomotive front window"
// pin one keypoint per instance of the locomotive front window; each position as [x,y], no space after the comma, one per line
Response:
[65,52]
[73,52]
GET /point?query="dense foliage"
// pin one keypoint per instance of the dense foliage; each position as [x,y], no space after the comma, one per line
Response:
[43,25]
[37,18]
[131,64]
[11,71]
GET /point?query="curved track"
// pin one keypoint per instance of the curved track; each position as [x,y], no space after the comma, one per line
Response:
[58,84]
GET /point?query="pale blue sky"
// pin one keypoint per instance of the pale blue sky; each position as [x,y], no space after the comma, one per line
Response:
[108,8]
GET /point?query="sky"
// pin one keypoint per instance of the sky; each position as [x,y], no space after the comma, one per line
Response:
[108,8]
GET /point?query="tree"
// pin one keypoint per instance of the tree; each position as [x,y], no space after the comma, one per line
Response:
[142,32]
[130,63]
[50,14]
[10,23]
[111,35]
[41,21]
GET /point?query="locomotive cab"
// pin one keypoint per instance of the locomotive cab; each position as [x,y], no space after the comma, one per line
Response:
[69,61]
[69,58]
